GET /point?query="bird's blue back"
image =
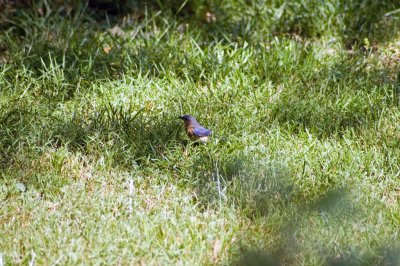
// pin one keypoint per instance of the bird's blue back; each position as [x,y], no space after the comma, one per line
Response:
[200,131]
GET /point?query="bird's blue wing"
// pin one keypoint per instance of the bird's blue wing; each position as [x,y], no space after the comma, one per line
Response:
[201,132]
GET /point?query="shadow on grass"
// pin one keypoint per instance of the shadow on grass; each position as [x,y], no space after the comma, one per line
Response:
[263,190]
[352,95]
[254,187]
[385,256]
[352,21]
[246,21]
[336,205]
[368,19]
[122,133]
[20,127]
[126,133]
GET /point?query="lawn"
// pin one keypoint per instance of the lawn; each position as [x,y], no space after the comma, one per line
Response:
[302,168]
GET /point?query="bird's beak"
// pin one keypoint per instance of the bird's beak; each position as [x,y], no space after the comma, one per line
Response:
[180,117]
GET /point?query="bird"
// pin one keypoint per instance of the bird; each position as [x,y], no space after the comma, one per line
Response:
[194,130]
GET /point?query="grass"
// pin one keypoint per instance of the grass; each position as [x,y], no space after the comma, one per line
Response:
[302,169]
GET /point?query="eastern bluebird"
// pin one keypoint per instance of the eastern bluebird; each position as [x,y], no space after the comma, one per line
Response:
[194,130]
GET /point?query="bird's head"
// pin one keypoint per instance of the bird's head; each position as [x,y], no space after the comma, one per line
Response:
[188,119]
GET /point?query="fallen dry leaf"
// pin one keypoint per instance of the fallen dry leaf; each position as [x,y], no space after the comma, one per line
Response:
[107,49]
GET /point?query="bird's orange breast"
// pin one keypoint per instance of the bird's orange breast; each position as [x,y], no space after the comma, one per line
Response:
[192,136]
[189,132]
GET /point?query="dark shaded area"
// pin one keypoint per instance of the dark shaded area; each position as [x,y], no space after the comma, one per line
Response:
[355,20]
[79,51]
[368,19]
[57,55]
[124,130]
[257,188]
[125,136]
[261,189]
[241,21]
[258,258]
[387,256]
[335,201]
[130,135]
[342,101]
[107,9]
[113,6]
[336,205]
[18,122]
